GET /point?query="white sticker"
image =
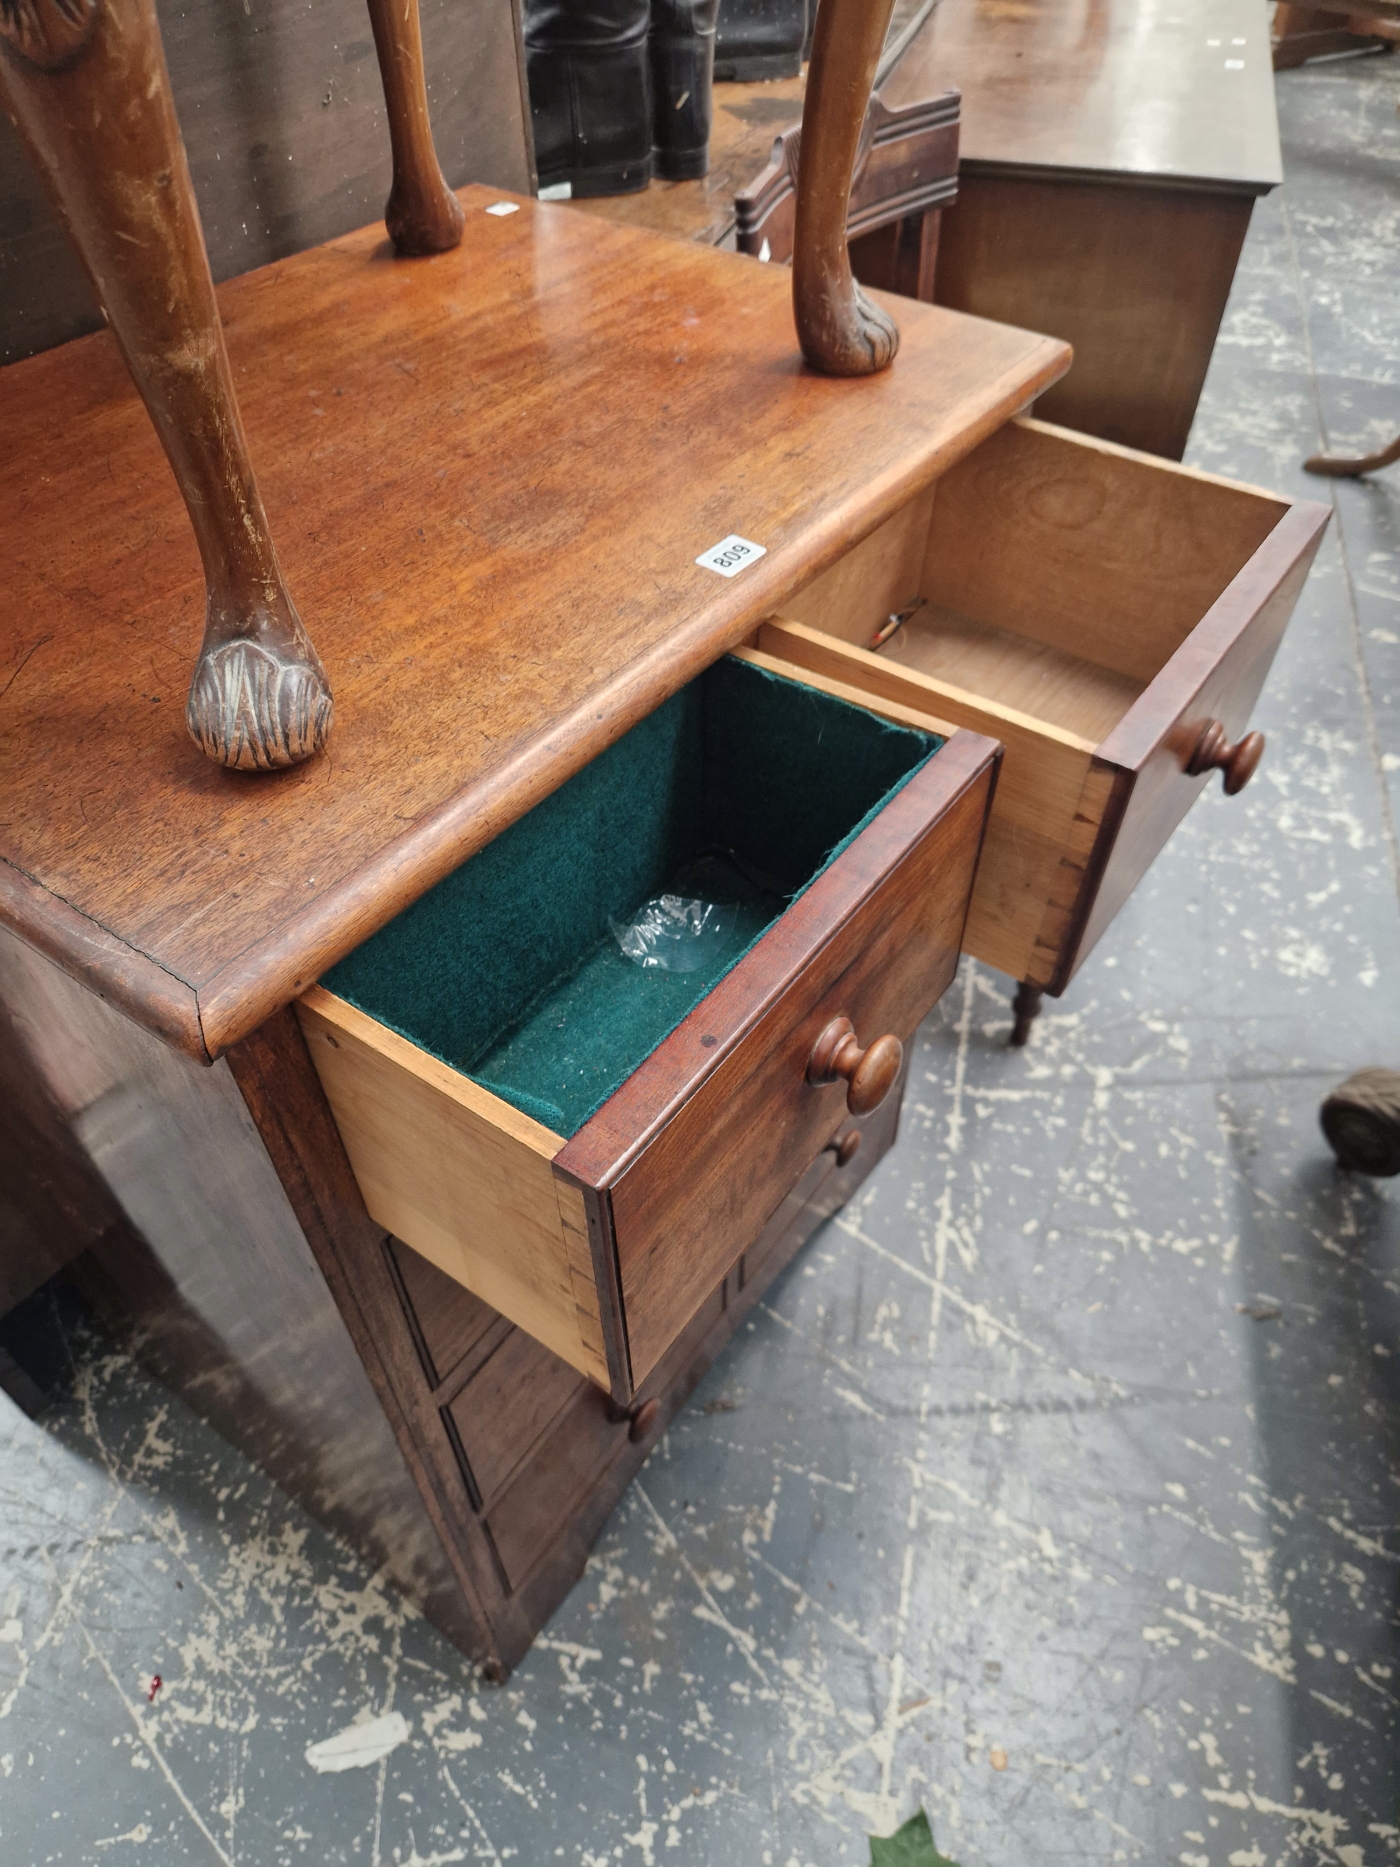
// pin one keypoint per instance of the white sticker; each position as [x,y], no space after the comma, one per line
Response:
[558,191]
[504,207]
[731,555]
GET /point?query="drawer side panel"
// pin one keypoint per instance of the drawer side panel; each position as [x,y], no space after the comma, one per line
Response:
[458,1175]
[1091,548]
[1038,795]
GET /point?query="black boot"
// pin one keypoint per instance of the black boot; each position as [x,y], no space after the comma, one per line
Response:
[682,70]
[590,94]
[760,39]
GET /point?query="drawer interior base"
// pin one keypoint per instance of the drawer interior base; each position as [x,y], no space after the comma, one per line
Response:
[1014,670]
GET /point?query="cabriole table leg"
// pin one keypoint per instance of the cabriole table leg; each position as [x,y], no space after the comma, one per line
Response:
[841,331]
[86,83]
[423,215]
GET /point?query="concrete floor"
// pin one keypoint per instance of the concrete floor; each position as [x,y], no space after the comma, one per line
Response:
[1001,1504]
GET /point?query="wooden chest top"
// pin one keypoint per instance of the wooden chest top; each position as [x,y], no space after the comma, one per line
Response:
[489,475]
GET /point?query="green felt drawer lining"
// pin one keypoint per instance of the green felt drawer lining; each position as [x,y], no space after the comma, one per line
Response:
[507,969]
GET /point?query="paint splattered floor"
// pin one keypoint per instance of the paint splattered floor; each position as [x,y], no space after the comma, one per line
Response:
[1003,1504]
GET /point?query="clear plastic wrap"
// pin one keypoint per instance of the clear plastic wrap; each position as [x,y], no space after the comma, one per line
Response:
[676,933]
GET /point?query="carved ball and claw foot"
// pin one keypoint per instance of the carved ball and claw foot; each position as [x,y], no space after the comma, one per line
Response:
[260,702]
[847,334]
[86,84]
[1025,1009]
[49,33]
[842,333]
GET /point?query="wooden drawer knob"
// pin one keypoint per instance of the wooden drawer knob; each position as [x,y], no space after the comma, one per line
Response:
[844,1146]
[640,1417]
[1213,752]
[870,1074]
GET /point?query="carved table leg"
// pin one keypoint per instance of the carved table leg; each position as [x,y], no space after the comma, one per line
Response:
[1025,1009]
[86,83]
[842,333]
[423,215]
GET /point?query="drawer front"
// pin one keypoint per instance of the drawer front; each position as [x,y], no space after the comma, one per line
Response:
[449,1324]
[553,1499]
[549,1488]
[506,1407]
[680,1173]
[1218,674]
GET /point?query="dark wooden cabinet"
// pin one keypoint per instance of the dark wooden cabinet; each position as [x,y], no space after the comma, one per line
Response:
[1111,158]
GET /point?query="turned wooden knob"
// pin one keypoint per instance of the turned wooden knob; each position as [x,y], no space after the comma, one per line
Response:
[641,1416]
[844,1146]
[870,1074]
[1213,752]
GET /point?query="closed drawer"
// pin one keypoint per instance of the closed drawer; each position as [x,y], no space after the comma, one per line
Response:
[587,1144]
[1110,617]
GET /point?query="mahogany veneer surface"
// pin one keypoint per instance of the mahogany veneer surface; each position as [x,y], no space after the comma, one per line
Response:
[489,474]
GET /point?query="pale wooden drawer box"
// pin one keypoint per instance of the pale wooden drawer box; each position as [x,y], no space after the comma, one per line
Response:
[593,1181]
[1093,608]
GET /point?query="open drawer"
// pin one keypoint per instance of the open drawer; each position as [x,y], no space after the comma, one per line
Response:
[1110,617]
[589,1144]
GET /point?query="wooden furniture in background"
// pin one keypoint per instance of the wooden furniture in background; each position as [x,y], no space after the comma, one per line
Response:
[906,172]
[1304,32]
[512,607]
[1111,157]
[1111,619]
[1110,163]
